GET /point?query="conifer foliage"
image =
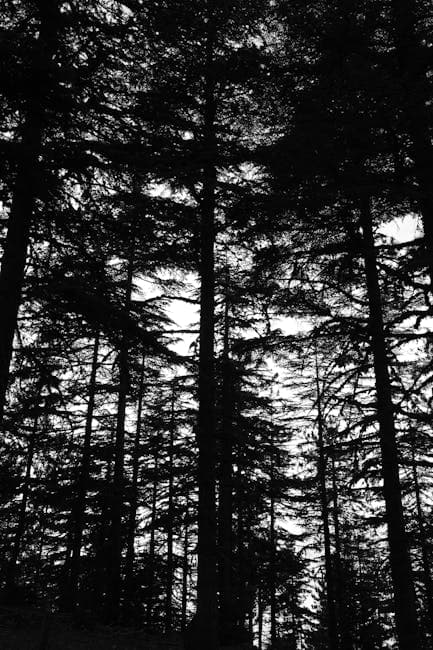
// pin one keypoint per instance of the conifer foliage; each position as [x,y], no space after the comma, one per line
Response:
[215,323]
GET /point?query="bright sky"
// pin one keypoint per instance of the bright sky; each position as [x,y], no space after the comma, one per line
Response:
[402,229]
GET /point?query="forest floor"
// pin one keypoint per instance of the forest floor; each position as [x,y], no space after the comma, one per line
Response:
[31,629]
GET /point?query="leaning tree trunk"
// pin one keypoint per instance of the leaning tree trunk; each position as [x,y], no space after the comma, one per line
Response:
[331,609]
[401,570]
[205,626]
[114,555]
[416,96]
[24,192]
[15,247]
[79,506]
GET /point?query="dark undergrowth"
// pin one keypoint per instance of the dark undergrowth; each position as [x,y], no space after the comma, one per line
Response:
[34,629]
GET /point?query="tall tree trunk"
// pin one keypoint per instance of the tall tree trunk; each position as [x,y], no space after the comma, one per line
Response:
[401,570]
[25,191]
[329,573]
[15,247]
[241,559]
[205,626]
[170,516]
[416,96]
[428,582]
[43,523]
[185,567]
[295,624]
[251,621]
[21,523]
[151,585]
[342,622]
[273,548]
[133,504]
[79,506]
[114,556]
[260,612]
[225,510]
[101,544]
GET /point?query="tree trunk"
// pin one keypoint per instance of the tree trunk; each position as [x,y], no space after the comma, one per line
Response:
[24,194]
[170,516]
[114,555]
[401,570]
[273,548]
[43,522]
[205,625]
[133,505]
[225,511]
[101,544]
[416,97]
[79,507]
[295,625]
[241,559]
[15,247]
[16,546]
[428,583]
[149,608]
[260,612]
[185,566]
[329,574]
[342,622]
[251,621]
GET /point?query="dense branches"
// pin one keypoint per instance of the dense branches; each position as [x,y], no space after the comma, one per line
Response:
[215,340]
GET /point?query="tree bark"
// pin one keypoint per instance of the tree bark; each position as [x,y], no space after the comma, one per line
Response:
[225,510]
[240,564]
[185,567]
[295,624]
[16,546]
[260,612]
[170,516]
[25,192]
[114,555]
[79,507]
[15,248]
[401,570]
[272,554]
[329,573]
[342,622]
[133,504]
[101,542]
[428,582]
[43,524]
[205,625]
[149,608]
[416,96]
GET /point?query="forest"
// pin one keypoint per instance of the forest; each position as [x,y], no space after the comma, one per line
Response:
[216,320]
